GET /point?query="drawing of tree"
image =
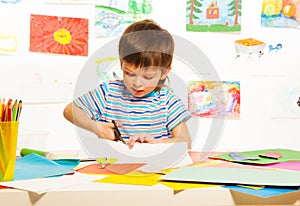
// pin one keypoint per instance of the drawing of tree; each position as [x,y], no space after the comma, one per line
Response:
[133,7]
[193,7]
[146,7]
[235,10]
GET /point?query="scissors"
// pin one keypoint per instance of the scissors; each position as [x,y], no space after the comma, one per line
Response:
[118,133]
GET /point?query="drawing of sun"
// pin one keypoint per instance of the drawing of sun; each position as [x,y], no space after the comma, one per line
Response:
[271,7]
[59,35]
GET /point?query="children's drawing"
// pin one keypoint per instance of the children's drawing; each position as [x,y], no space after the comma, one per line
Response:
[286,99]
[59,35]
[69,1]
[249,47]
[11,1]
[280,13]
[213,15]
[113,16]
[8,43]
[105,71]
[214,99]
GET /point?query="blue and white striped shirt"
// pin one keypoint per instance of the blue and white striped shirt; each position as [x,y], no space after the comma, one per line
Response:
[157,113]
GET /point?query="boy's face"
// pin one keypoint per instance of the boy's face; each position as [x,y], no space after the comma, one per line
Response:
[142,81]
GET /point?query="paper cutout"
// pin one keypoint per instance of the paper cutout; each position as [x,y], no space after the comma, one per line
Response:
[287,155]
[213,16]
[36,166]
[270,154]
[109,169]
[284,165]
[235,176]
[264,192]
[132,178]
[59,35]
[237,156]
[68,163]
[43,185]
[280,13]
[186,185]
[112,17]
[214,99]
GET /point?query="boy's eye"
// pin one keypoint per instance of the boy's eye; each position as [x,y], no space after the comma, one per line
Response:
[130,74]
[148,77]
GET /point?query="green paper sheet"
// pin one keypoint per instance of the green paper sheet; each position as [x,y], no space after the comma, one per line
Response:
[234,176]
[287,155]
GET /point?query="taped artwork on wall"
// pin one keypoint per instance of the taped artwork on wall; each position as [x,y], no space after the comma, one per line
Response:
[213,15]
[280,13]
[113,16]
[59,35]
[214,99]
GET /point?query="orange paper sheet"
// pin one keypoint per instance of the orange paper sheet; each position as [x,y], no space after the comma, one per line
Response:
[109,169]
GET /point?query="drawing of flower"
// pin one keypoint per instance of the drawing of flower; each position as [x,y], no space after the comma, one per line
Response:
[59,35]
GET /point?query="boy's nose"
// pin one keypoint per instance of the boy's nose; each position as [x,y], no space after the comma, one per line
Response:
[137,82]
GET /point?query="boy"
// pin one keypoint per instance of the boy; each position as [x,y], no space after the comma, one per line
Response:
[143,106]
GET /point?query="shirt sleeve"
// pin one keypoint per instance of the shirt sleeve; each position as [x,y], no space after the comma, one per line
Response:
[93,103]
[177,112]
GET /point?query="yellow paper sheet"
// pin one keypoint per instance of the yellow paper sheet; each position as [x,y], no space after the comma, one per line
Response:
[133,178]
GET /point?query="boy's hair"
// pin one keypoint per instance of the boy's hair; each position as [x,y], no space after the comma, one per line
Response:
[145,43]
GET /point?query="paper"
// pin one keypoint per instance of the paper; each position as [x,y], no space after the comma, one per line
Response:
[285,165]
[235,176]
[187,185]
[264,192]
[237,156]
[36,166]
[155,156]
[135,178]
[42,185]
[287,155]
[109,169]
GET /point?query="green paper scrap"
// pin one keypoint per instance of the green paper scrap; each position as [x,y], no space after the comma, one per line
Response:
[234,176]
[287,155]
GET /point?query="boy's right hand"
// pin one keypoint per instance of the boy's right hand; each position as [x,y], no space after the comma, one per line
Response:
[105,130]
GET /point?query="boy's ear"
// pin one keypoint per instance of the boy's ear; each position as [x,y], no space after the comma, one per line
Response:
[165,74]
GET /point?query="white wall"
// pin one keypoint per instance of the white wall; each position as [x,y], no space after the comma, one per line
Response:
[27,75]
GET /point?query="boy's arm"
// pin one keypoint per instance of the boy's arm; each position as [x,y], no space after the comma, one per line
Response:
[181,134]
[78,117]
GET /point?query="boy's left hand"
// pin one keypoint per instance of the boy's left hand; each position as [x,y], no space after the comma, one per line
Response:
[140,137]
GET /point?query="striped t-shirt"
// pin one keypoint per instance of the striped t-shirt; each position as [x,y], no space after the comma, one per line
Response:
[156,113]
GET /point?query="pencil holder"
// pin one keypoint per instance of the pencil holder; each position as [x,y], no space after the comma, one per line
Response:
[8,148]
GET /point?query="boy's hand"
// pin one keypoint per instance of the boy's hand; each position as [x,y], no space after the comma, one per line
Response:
[140,137]
[105,130]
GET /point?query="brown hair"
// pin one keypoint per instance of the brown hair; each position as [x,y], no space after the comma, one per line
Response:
[145,43]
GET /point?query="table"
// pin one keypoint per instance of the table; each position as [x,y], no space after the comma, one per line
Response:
[95,193]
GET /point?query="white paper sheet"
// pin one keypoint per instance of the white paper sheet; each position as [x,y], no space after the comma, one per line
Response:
[43,185]
[156,156]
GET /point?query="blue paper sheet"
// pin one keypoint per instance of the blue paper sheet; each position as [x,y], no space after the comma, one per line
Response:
[69,163]
[36,166]
[264,192]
